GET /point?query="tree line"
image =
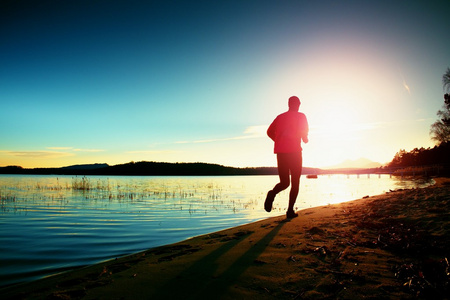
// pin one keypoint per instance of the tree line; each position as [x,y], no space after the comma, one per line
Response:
[439,132]
[438,155]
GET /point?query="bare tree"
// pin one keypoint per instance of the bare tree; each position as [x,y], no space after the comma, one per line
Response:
[446,80]
[440,130]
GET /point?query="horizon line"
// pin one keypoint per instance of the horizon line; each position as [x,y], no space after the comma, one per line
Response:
[198,162]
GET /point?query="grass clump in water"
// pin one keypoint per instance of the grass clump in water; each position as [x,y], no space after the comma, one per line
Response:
[82,184]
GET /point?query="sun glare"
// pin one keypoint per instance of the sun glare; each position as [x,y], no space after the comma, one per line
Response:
[336,125]
[335,136]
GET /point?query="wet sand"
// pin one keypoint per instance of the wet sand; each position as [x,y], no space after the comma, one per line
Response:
[391,246]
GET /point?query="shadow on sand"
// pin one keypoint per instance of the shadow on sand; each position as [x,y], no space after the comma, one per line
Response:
[208,276]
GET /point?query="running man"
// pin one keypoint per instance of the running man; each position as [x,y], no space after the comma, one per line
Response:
[287,131]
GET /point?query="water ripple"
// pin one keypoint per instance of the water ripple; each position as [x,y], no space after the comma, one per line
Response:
[47,226]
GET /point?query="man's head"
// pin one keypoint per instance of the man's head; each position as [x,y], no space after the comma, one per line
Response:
[294,103]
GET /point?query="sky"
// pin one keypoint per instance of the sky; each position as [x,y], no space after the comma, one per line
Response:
[200,81]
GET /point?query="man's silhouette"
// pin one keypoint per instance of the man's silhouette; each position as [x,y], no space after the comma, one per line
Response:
[287,131]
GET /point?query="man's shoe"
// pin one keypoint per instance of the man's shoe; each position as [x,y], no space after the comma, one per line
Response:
[269,201]
[290,214]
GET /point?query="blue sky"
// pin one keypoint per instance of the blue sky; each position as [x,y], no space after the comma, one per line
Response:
[200,81]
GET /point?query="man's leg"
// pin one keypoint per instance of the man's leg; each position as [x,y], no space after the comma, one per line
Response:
[294,191]
[283,173]
[283,162]
[296,172]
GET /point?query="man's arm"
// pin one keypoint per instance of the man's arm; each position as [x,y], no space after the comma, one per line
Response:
[271,131]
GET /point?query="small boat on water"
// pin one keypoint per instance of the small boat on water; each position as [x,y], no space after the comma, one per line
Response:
[311,176]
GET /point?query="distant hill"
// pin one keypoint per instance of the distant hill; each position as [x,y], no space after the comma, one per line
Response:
[149,168]
[361,163]
[85,167]
[146,168]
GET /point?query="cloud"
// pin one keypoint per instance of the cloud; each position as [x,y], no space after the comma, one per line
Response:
[152,152]
[38,154]
[88,150]
[75,149]
[406,86]
[208,140]
[347,127]
[250,132]
[59,148]
[256,131]
[55,152]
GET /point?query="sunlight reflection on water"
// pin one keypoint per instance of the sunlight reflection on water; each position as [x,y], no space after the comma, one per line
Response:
[49,224]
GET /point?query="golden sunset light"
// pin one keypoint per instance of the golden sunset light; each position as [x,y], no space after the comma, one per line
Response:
[199,90]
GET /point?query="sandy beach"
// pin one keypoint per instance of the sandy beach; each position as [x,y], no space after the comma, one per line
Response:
[391,246]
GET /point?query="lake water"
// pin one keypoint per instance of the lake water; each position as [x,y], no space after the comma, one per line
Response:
[50,224]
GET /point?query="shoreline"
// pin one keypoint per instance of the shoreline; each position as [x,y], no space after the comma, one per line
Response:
[347,250]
